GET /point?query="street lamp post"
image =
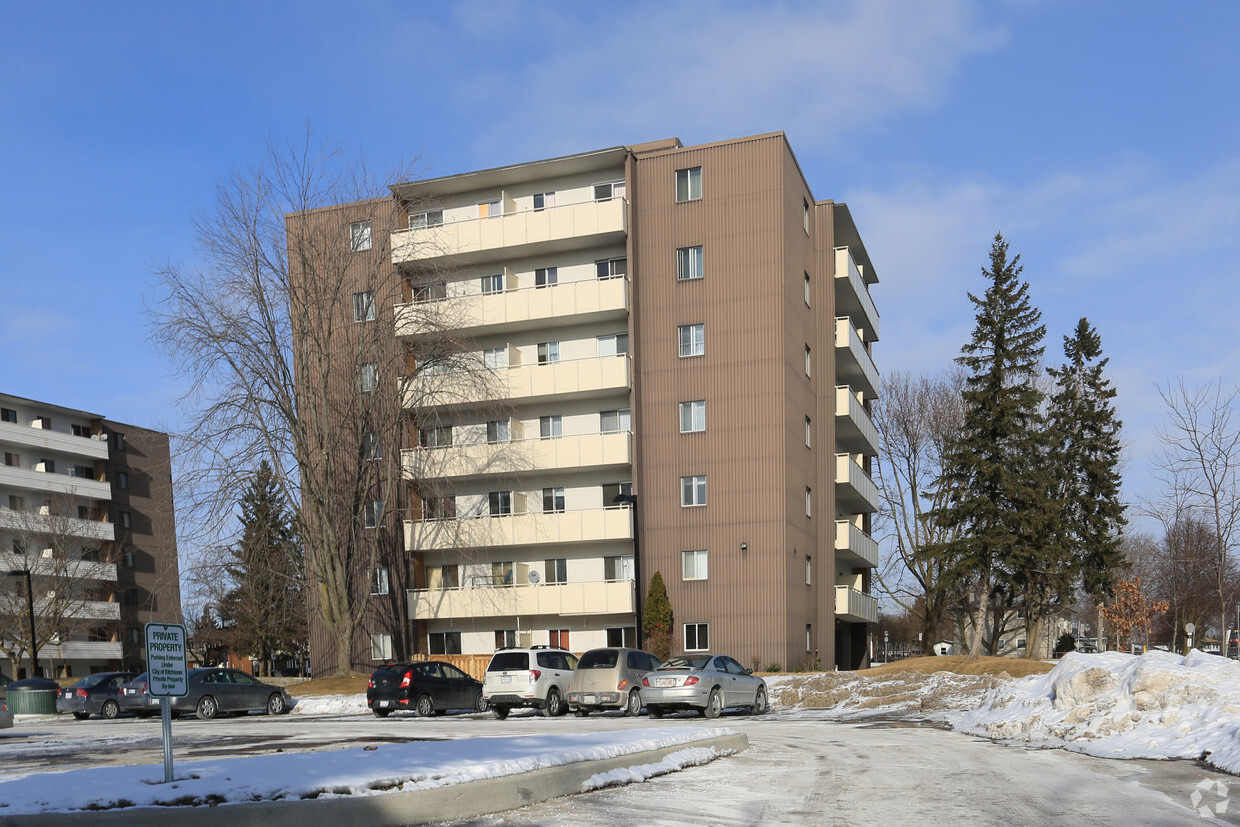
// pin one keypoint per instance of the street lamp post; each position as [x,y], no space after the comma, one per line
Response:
[631,499]
[34,641]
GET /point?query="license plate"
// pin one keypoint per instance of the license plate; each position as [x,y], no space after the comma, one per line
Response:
[505,678]
[587,699]
[383,703]
[664,681]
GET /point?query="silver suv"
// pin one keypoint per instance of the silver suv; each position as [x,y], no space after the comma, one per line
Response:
[537,676]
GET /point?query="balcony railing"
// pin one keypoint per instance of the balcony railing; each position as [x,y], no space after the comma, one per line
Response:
[593,376]
[558,599]
[581,452]
[852,296]
[35,523]
[853,364]
[574,302]
[529,232]
[51,566]
[855,606]
[854,430]
[53,441]
[82,649]
[855,492]
[86,489]
[528,529]
[853,547]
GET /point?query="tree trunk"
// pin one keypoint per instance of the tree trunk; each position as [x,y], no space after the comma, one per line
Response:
[983,614]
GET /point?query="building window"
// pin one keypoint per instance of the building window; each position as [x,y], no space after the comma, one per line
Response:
[809,637]
[553,499]
[125,518]
[805,215]
[807,289]
[371,447]
[501,574]
[556,570]
[558,638]
[495,358]
[689,263]
[364,307]
[380,646]
[368,377]
[47,466]
[372,514]
[83,512]
[809,499]
[135,635]
[80,430]
[693,416]
[618,568]
[497,431]
[444,643]
[12,460]
[8,415]
[697,637]
[443,577]
[808,365]
[693,490]
[548,353]
[625,636]
[440,437]
[131,597]
[611,268]
[505,638]
[613,421]
[421,220]
[809,570]
[122,480]
[546,276]
[612,189]
[543,200]
[809,430]
[612,490]
[118,439]
[359,236]
[499,503]
[490,209]
[692,339]
[493,284]
[613,344]
[129,559]
[439,508]
[551,427]
[689,184]
[693,564]
[17,502]
[379,581]
[430,291]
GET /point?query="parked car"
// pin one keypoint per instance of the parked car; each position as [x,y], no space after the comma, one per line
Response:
[134,698]
[95,694]
[709,683]
[427,687]
[610,679]
[214,691]
[536,677]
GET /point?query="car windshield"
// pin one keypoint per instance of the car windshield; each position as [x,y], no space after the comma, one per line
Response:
[140,679]
[686,663]
[599,659]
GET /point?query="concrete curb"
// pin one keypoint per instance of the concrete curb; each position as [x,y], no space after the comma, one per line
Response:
[456,801]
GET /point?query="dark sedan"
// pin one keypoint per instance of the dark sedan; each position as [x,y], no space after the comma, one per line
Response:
[97,694]
[214,691]
[426,687]
[134,698]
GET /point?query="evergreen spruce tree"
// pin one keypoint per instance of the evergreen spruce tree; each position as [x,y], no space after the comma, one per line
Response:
[657,619]
[995,471]
[1083,425]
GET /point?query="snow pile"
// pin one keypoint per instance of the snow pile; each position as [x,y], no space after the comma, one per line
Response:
[691,757]
[330,705]
[1114,705]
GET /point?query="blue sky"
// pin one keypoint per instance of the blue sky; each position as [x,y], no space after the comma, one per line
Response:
[1103,139]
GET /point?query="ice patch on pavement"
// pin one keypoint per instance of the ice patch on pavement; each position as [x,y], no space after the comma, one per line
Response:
[691,757]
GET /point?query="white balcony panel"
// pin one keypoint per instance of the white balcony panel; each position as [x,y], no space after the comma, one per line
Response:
[853,364]
[584,452]
[77,569]
[578,377]
[574,302]
[52,441]
[531,232]
[32,522]
[81,650]
[855,492]
[852,295]
[97,610]
[855,606]
[853,547]
[557,600]
[854,430]
[54,483]
[531,529]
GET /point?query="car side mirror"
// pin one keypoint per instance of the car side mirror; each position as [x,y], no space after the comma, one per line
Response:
[748,671]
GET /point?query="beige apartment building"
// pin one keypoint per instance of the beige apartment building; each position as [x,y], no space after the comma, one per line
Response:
[679,349]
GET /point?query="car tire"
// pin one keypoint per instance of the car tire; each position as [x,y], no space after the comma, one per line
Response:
[655,711]
[207,708]
[425,707]
[381,713]
[555,704]
[276,705]
[501,712]
[81,716]
[633,706]
[480,703]
[759,701]
[714,704]
[110,709]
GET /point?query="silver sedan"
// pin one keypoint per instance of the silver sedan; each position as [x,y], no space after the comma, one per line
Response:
[709,683]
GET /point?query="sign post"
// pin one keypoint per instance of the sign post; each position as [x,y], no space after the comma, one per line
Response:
[167,676]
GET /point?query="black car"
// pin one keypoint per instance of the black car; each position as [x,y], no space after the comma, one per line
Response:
[97,694]
[215,691]
[426,687]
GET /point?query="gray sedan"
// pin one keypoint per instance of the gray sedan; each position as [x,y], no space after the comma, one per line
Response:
[214,691]
[709,683]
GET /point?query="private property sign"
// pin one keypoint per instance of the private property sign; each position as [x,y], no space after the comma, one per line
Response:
[165,660]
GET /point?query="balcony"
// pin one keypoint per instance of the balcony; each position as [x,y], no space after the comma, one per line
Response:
[594,376]
[524,308]
[562,599]
[76,569]
[852,296]
[32,522]
[68,484]
[854,430]
[52,441]
[585,452]
[853,547]
[94,610]
[855,492]
[855,606]
[853,364]
[526,233]
[82,650]
[529,529]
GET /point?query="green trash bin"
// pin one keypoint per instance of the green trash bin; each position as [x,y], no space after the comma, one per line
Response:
[33,696]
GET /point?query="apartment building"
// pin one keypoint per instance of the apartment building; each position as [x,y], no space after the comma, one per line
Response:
[86,508]
[678,344]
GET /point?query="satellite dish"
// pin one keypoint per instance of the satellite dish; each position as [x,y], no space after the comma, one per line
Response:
[535,578]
